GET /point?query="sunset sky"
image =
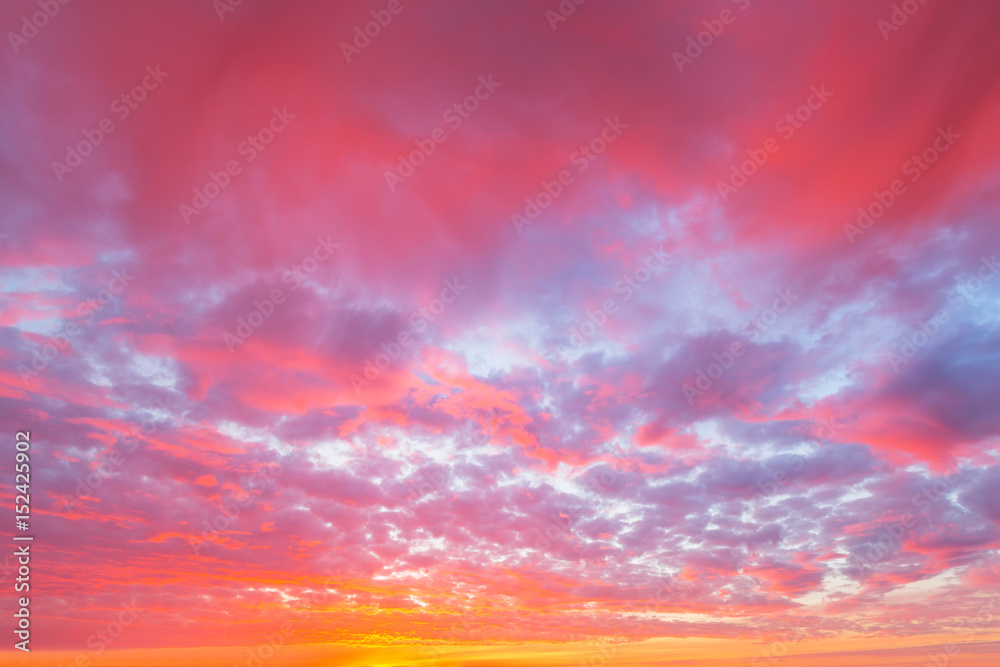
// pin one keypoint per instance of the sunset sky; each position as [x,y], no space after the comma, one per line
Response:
[503,333]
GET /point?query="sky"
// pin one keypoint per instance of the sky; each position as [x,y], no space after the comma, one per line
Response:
[482,333]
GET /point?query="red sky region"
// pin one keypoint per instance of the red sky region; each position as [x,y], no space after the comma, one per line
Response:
[503,331]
